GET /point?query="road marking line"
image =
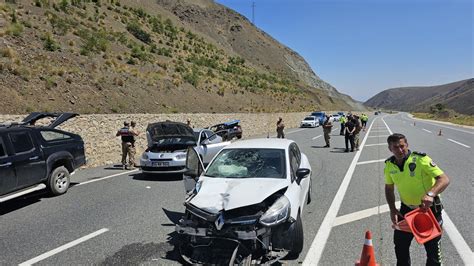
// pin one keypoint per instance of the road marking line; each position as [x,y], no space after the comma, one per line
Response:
[378,136]
[458,241]
[317,137]
[427,130]
[298,130]
[355,216]
[373,161]
[319,242]
[459,143]
[63,247]
[106,177]
[335,129]
[377,144]
[389,130]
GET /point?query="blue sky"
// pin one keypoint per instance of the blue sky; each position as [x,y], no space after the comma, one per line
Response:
[362,47]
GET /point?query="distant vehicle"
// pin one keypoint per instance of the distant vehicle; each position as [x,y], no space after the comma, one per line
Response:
[168,142]
[341,113]
[376,112]
[247,205]
[228,130]
[310,121]
[321,116]
[37,157]
[334,118]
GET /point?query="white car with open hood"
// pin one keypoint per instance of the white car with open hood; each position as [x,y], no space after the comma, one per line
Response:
[247,204]
[168,142]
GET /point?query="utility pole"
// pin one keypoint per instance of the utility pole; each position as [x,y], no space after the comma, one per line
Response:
[253,12]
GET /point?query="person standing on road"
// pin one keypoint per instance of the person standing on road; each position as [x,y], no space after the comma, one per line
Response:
[419,182]
[349,134]
[128,145]
[343,121]
[280,128]
[327,126]
[364,118]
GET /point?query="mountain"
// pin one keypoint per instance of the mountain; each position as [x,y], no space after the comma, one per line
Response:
[162,56]
[458,96]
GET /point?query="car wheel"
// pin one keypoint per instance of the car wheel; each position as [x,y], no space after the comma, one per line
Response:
[297,239]
[310,190]
[59,180]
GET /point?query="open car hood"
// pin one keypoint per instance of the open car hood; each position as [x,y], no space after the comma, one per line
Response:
[169,130]
[59,118]
[218,194]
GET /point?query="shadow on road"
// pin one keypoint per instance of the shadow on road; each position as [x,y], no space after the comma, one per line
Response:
[157,177]
[338,150]
[24,201]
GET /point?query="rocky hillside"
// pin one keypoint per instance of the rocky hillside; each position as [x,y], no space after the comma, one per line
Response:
[457,96]
[163,56]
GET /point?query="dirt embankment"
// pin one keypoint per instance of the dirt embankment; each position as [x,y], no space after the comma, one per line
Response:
[102,147]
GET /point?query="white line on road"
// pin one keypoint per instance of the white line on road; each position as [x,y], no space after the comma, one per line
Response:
[378,136]
[319,242]
[377,144]
[335,129]
[298,130]
[63,247]
[373,161]
[459,143]
[106,177]
[355,216]
[439,125]
[317,137]
[427,130]
[389,130]
[458,241]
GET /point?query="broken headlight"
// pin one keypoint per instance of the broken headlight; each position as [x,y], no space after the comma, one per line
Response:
[277,213]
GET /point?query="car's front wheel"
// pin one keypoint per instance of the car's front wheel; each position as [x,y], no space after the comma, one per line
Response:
[297,239]
[59,180]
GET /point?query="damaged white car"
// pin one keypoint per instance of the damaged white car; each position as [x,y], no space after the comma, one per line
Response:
[246,206]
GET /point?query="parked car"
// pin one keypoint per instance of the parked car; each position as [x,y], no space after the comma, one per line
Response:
[247,205]
[334,118]
[310,121]
[36,157]
[321,116]
[228,130]
[167,144]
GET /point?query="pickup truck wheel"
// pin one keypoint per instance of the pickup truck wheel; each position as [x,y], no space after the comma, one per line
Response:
[59,180]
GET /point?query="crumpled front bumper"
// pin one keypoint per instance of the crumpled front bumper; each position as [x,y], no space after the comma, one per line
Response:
[236,232]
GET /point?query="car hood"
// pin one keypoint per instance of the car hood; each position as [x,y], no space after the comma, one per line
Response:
[216,194]
[167,130]
[59,118]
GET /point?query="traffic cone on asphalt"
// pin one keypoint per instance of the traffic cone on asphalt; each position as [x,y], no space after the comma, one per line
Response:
[439,133]
[367,258]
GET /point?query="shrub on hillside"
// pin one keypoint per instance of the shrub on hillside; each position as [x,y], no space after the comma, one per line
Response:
[135,29]
[50,44]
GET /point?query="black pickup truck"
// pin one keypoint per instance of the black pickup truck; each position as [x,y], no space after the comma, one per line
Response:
[34,157]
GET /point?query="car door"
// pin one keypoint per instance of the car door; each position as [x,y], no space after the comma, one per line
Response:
[8,181]
[295,162]
[29,163]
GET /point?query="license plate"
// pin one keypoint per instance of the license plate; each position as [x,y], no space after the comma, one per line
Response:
[160,164]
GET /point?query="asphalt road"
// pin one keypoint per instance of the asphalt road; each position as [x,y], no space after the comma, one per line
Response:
[112,216]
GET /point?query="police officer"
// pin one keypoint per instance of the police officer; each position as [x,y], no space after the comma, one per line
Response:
[343,123]
[279,129]
[128,145]
[419,182]
[132,151]
[327,126]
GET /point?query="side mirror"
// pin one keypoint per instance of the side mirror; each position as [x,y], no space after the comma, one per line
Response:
[301,173]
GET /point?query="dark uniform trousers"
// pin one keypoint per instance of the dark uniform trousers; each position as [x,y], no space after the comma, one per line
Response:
[402,240]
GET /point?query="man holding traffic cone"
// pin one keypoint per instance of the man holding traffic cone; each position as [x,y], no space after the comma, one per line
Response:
[367,258]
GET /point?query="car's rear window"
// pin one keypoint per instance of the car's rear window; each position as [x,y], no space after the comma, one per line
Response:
[52,135]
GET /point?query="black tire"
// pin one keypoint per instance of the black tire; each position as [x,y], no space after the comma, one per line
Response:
[59,180]
[297,239]
[308,199]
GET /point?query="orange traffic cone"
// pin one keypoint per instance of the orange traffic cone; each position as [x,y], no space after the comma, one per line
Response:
[439,133]
[367,258]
